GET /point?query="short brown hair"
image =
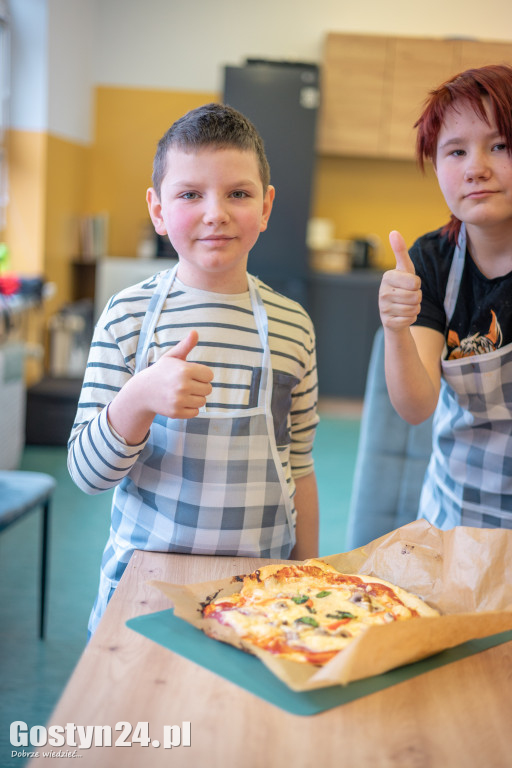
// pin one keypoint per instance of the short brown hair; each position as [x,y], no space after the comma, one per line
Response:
[215,125]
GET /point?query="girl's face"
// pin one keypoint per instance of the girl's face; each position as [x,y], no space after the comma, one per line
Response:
[474,169]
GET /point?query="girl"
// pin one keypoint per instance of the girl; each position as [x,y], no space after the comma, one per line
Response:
[447,308]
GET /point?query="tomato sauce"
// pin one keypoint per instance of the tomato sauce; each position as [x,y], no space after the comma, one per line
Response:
[279,646]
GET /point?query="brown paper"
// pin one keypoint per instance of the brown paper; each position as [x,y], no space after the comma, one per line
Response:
[465,573]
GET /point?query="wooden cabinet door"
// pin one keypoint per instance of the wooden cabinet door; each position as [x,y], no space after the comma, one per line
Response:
[374,87]
[472,53]
[354,95]
[419,65]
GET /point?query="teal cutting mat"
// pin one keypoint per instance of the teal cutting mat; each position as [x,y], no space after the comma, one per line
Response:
[250,673]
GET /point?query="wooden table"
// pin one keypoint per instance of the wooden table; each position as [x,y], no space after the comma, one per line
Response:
[456,715]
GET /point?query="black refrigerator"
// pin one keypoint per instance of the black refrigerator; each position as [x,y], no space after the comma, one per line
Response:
[282,98]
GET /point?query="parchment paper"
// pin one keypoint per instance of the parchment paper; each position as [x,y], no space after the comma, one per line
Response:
[465,573]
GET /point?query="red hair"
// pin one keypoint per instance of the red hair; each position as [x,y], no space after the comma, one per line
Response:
[493,83]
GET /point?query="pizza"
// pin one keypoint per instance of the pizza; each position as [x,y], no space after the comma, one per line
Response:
[306,612]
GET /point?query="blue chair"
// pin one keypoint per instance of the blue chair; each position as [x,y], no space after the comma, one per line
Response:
[391,461]
[20,493]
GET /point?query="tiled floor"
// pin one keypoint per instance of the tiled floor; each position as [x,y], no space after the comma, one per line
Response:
[33,673]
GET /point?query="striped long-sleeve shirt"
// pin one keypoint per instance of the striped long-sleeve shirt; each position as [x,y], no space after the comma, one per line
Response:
[228,343]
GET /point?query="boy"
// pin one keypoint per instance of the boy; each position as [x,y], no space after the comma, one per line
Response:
[446,309]
[199,399]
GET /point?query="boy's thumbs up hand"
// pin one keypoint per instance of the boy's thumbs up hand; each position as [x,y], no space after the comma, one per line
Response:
[173,387]
[184,347]
[177,387]
[400,289]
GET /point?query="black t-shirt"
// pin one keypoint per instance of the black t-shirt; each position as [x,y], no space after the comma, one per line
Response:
[482,320]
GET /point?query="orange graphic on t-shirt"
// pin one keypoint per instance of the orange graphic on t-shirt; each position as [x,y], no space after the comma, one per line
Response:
[477,344]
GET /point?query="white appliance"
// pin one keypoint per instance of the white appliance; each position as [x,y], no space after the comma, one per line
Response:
[12,410]
[113,274]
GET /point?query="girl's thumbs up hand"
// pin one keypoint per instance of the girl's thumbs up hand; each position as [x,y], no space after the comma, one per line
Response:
[400,289]
[403,260]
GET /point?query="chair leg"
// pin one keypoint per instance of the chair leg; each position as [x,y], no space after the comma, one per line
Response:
[44,567]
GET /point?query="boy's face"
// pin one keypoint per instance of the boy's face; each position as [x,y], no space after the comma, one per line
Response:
[213,208]
[474,169]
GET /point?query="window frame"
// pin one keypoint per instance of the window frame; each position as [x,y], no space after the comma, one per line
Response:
[5,94]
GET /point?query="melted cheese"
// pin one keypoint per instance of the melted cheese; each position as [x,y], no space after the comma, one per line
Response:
[307,614]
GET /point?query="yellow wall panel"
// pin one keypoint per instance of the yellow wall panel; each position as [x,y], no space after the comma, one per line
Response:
[66,193]
[27,163]
[128,126]
[48,179]
[373,196]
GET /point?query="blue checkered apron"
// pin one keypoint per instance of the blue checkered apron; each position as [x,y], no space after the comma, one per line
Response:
[213,484]
[469,477]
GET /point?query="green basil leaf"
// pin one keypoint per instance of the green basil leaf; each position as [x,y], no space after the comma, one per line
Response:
[300,599]
[340,615]
[308,620]
[324,593]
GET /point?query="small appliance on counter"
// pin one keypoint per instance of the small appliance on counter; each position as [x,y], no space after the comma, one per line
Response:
[363,252]
[335,259]
[332,256]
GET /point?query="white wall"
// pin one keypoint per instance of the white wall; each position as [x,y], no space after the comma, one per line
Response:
[52,66]
[71,53]
[62,48]
[29,75]
[175,44]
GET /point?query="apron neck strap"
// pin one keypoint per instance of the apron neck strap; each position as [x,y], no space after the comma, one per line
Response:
[151,317]
[455,276]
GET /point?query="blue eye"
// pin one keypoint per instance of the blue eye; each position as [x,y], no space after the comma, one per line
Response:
[189,195]
[239,194]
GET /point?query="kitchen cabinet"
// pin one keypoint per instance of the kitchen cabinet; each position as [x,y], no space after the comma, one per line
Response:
[354,95]
[415,67]
[476,53]
[345,313]
[374,87]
